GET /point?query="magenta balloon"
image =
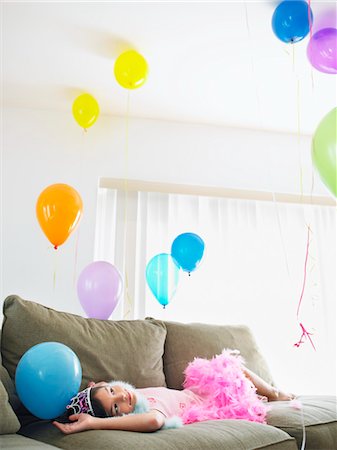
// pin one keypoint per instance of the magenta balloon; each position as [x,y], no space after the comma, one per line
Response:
[99,288]
[321,50]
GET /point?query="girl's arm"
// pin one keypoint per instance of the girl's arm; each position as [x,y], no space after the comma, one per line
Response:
[146,422]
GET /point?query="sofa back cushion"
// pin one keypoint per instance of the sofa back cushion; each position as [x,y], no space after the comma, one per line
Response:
[184,342]
[9,423]
[129,350]
[8,385]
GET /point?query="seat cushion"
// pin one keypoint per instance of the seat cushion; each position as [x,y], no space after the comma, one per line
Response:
[210,435]
[187,341]
[17,442]
[319,415]
[100,344]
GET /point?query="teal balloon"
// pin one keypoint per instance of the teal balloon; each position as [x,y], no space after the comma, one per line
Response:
[324,150]
[47,376]
[162,276]
[188,249]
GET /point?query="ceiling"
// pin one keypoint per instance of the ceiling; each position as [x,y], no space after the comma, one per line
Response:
[209,62]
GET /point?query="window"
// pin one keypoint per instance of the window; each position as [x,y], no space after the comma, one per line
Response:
[252,271]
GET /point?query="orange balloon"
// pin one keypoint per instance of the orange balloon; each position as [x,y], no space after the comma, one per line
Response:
[58,210]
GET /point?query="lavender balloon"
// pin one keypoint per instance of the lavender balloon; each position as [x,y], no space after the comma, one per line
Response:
[321,50]
[99,288]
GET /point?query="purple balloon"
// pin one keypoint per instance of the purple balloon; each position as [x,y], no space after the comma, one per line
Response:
[99,288]
[321,50]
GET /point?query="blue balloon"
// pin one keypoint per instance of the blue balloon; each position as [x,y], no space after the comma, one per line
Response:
[290,21]
[188,249]
[162,276]
[47,377]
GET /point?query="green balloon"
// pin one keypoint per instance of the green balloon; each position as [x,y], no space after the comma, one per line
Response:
[324,150]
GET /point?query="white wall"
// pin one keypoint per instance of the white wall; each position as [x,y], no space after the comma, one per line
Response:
[40,148]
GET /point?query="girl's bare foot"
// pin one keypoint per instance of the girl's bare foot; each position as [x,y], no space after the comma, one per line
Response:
[278,395]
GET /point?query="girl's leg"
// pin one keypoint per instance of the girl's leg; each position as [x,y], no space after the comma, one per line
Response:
[266,389]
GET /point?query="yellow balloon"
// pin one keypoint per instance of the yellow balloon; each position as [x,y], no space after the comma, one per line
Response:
[85,110]
[131,70]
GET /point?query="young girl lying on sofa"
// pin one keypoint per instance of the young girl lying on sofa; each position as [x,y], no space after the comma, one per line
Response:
[219,388]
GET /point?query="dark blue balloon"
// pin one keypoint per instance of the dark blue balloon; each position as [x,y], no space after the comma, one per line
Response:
[188,249]
[290,20]
[162,276]
[46,378]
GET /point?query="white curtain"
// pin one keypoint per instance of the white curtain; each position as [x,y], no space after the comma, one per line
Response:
[252,272]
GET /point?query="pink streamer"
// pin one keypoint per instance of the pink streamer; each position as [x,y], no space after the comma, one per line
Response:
[305,334]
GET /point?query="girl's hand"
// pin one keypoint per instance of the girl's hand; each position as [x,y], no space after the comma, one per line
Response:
[80,422]
[144,422]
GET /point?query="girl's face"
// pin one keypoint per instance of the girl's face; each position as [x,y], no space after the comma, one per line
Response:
[115,399]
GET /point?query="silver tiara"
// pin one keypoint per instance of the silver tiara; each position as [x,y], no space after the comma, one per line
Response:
[81,402]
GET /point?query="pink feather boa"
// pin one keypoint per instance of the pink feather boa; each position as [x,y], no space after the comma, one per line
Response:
[226,392]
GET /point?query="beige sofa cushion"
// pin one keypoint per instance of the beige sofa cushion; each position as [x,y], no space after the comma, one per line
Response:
[17,442]
[8,385]
[127,350]
[187,341]
[210,435]
[319,415]
[9,423]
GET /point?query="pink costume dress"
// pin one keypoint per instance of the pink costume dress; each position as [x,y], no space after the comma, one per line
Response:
[214,389]
[169,402]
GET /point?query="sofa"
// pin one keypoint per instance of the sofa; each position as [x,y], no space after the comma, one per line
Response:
[145,353]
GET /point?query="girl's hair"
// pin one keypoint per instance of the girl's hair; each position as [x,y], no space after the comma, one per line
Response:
[97,408]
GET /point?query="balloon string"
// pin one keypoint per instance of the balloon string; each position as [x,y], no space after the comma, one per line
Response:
[128,302]
[304,436]
[299,138]
[126,153]
[309,18]
[297,404]
[310,29]
[127,299]
[281,234]
[312,183]
[305,272]
[258,103]
[76,256]
[305,334]
[81,156]
[55,269]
